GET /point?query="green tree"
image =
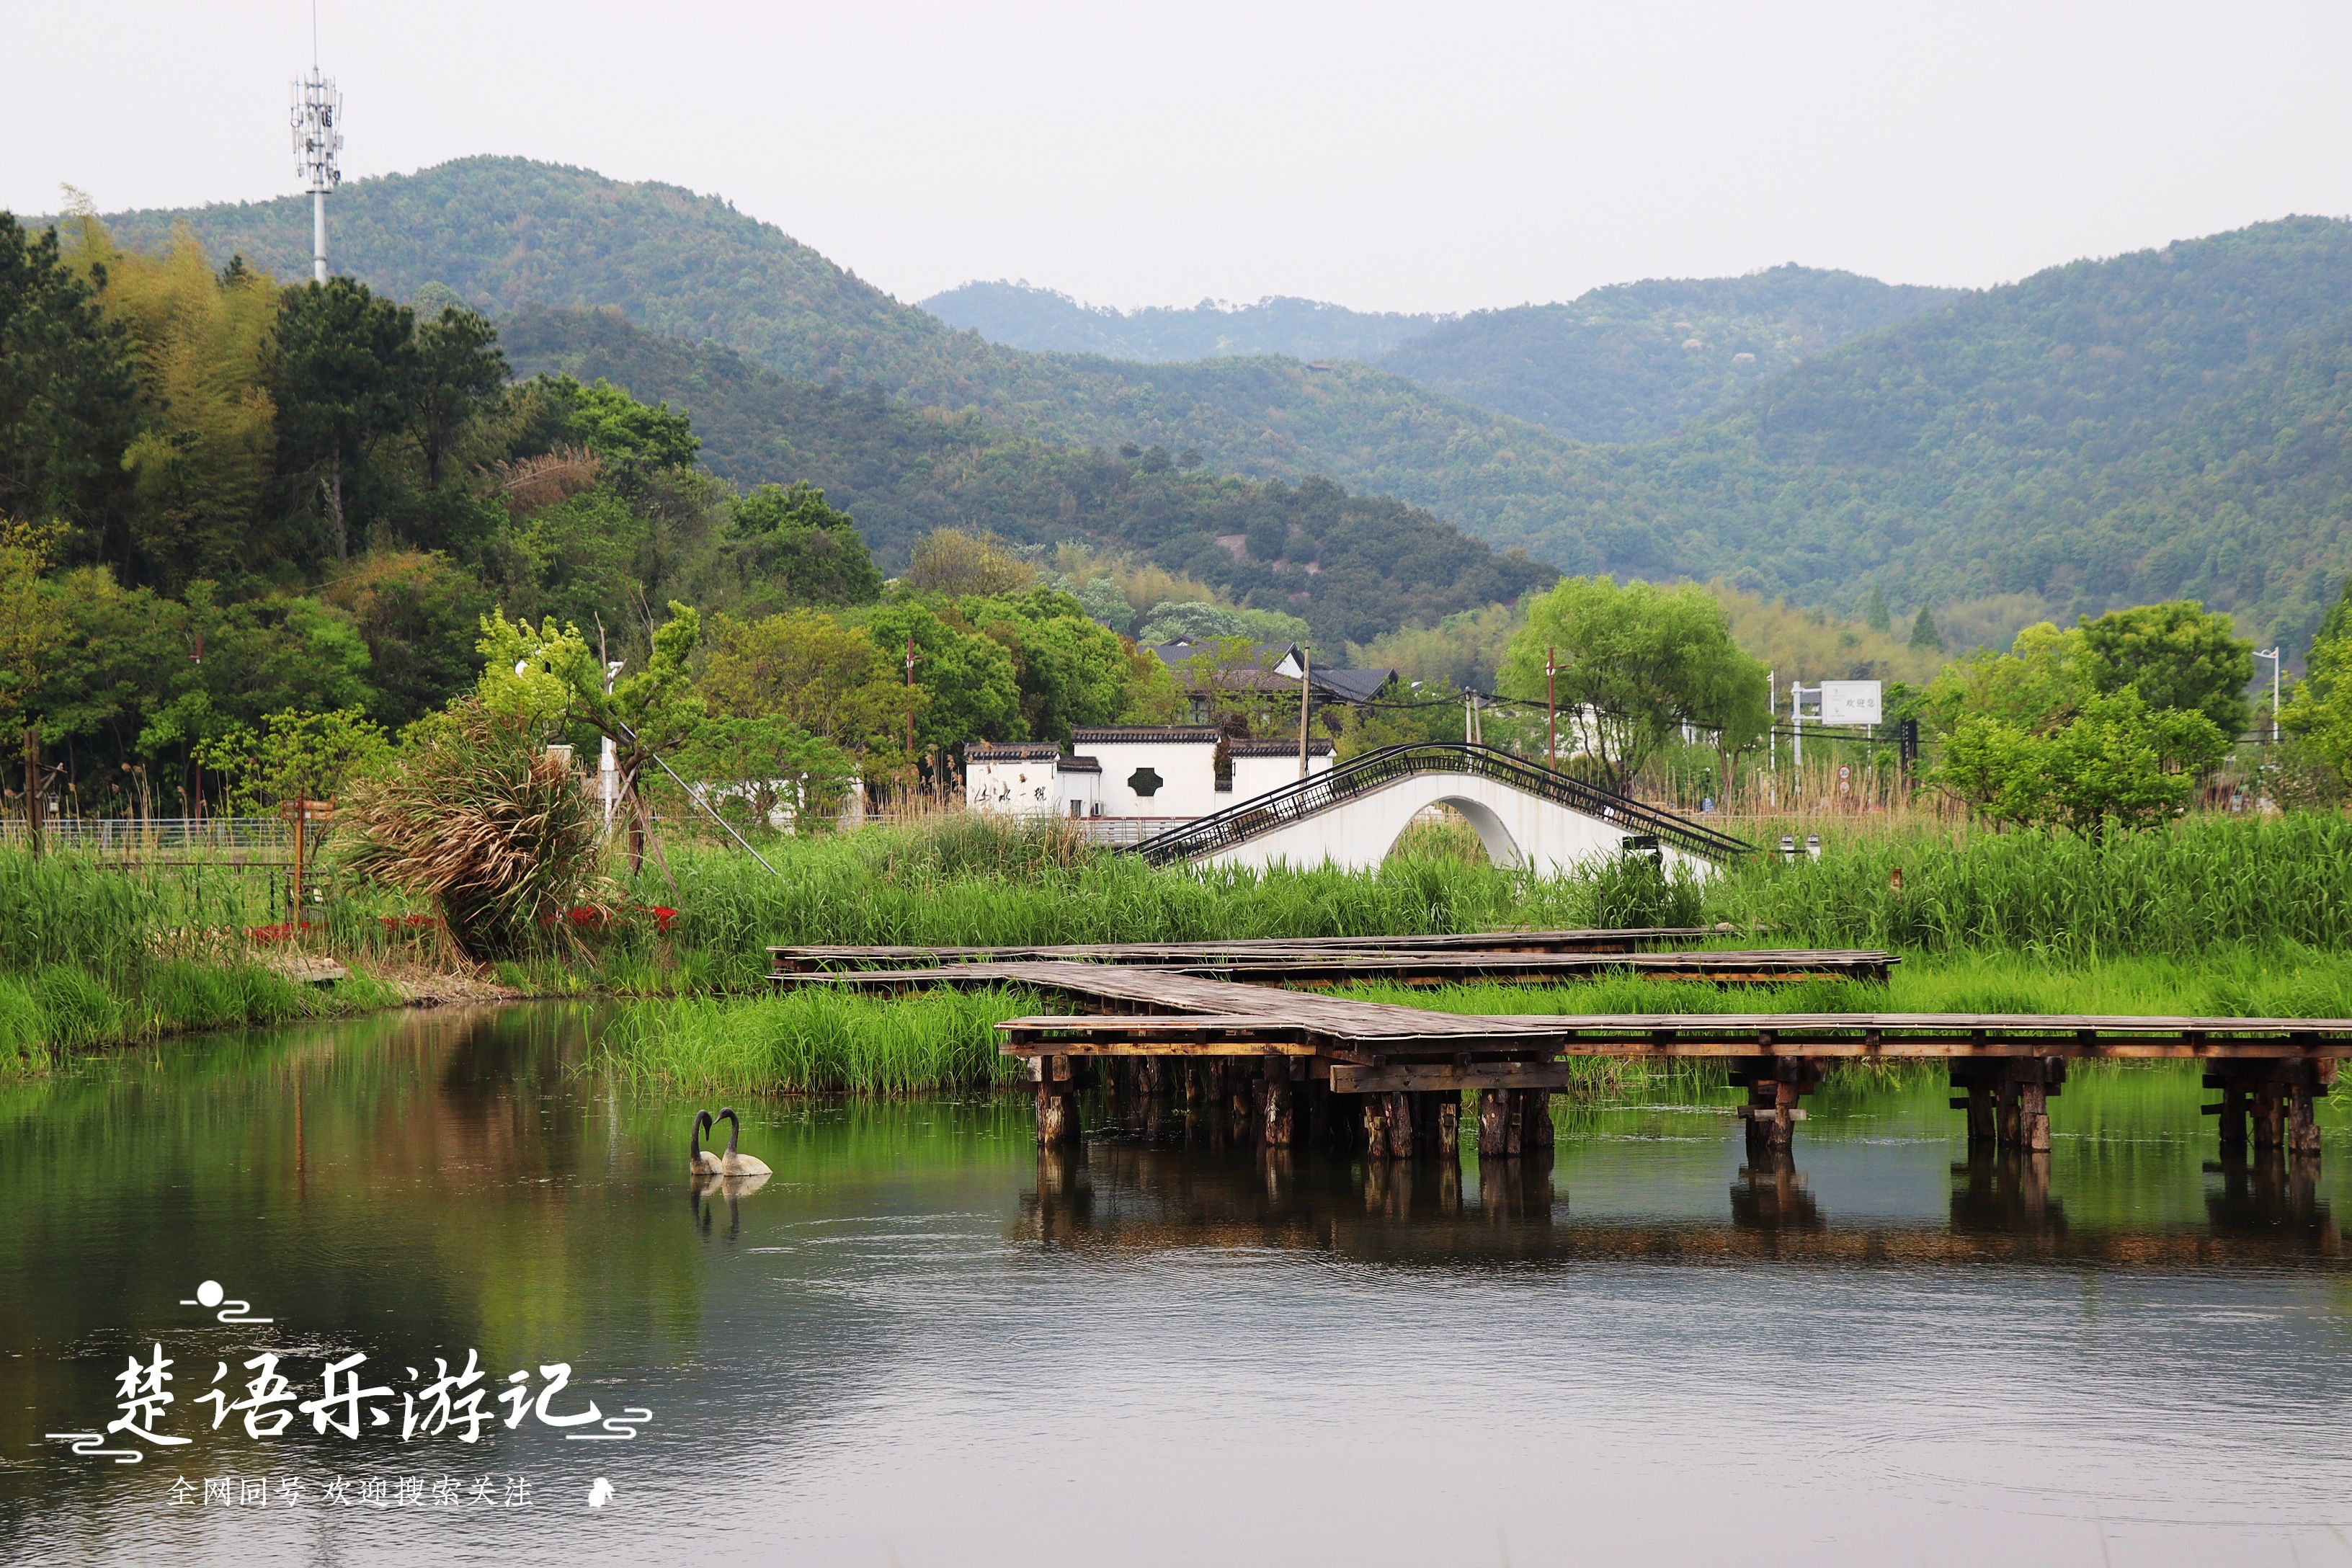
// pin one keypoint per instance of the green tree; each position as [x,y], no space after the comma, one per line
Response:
[419,615]
[809,669]
[68,394]
[1200,621]
[788,547]
[343,361]
[2119,761]
[1878,616]
[2319,709]
[550,676]
[952,562]
[200,464]
[634,438]
[1923,635]
[973,689]
[295,755]
[454,373]
[1645,660]
[755,765]
[1071,669]
[2038,685]
[2177,655]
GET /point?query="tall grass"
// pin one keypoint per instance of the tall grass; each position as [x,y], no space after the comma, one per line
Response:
[816,1041]
[2178,890]
[970,880]
[2283,980]
[96,954]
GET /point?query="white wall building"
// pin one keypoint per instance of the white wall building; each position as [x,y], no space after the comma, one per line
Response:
[1167,774]
[1154,770]
[1263,765]
[1016,780]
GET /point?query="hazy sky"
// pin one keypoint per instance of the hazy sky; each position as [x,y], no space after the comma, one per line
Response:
[1400,157]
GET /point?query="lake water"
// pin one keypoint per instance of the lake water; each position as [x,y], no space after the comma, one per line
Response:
[916,1346]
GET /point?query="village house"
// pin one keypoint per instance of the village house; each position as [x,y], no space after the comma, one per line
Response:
[1136,775]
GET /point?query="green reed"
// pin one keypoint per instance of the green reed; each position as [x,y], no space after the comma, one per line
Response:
[2179,890]
[816,1041]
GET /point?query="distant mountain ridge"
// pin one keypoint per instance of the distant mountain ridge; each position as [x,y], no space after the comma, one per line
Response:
[2175,421]
[1631,362]
[1637,361]
[1046,321]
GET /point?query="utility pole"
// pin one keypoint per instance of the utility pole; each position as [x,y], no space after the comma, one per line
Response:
[1306,679]
[2274,655]
[1551,707]
[34,785]
[911,657]
[1796,745]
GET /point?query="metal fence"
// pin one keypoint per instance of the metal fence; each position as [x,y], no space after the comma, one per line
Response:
[159,835]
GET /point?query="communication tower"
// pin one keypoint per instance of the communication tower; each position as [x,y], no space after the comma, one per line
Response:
[318,147]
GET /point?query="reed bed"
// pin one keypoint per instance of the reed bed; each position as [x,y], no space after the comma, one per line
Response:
[968,880]
[2181,889]
[2281,980]
[816,1042]
[95,955]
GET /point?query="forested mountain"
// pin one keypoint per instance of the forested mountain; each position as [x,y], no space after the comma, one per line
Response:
[1351,567]
[1629,362]
[1635,361]
[506,232]
[1045,320]
[2174,422]
[2166,423]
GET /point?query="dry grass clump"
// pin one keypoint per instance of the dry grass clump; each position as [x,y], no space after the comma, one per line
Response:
[496,832]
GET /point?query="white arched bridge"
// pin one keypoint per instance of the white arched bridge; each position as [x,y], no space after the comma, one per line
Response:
[1527,816]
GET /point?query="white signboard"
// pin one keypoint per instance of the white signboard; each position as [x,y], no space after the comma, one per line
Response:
[1850,702]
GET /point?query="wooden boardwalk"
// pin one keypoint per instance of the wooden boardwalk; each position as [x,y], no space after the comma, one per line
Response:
[1328,968]
[808,960]
[1389,1079]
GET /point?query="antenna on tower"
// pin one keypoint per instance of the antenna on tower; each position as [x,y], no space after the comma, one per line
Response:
[317,145]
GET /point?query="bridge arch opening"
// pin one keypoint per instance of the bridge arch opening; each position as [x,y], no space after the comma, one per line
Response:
[1502,849]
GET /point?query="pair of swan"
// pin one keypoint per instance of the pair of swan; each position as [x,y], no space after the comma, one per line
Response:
[702,1162]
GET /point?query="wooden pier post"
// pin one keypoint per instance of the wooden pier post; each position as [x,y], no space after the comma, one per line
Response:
[2232,1112]
[1276,1106]
[2270,1120]
[2302,1130]
[1057,1103]
[1512,1122]
[2033,1116]
[2271,1099]
[1774,1086]
[2007,1112]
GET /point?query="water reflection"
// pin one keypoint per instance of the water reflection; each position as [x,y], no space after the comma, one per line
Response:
[1194,1189]
[921,1336]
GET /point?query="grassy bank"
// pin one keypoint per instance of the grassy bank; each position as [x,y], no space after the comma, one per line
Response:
[91,955]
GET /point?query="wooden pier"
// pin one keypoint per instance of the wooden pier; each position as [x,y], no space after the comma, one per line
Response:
[816,960]
[1387,1080]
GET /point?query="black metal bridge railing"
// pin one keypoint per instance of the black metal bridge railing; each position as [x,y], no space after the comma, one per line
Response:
[1378,770]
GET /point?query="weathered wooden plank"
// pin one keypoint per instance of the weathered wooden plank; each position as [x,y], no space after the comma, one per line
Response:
[1409,1076]
[1584,940]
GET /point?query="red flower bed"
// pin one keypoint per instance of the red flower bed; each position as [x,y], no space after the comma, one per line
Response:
[589,916]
